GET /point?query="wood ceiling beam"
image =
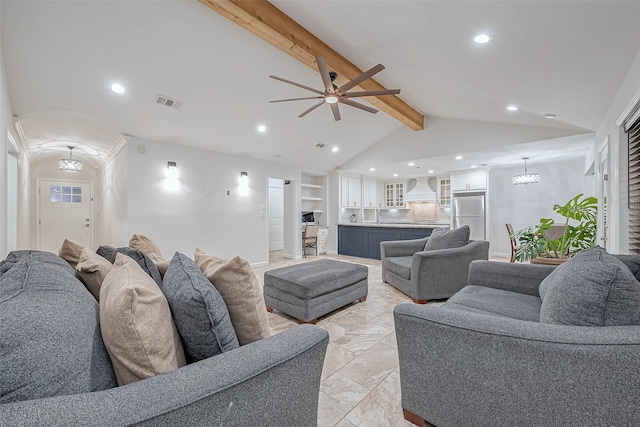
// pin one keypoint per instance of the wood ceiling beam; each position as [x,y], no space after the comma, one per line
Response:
[275,27]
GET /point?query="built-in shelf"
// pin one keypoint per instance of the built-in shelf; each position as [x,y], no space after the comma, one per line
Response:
[313,197]
[305,185]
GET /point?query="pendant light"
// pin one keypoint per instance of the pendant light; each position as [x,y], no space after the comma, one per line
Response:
[70,164]
[526,178]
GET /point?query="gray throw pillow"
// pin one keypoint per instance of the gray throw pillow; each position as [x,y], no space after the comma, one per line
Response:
[198,310]
[49,334]
[109,253]
[593,288]
[443,238]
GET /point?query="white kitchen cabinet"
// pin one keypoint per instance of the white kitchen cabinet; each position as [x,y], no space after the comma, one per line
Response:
[380,194]
[394,195]
[370,197]
[322,240]
[444,191]
[473,181]
[350,192]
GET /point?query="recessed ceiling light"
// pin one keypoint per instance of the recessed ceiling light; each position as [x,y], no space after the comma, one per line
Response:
[481,38]
[431,171]
[458,157]
[395,174]
[117,88]
[335,149]
[331,99]
[474,166]
[549,116]
[512,108]
[372,169]
[412,164]
[262,128]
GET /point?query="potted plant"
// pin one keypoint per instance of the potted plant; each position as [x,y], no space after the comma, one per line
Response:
[579,233]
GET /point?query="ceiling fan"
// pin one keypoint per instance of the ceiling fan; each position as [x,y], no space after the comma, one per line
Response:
[333,94]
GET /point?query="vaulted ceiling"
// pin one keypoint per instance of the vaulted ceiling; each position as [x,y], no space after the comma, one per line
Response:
[566,58]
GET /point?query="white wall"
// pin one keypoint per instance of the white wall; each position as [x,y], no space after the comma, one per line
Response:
[185,218]
[111,202]
[5,125]
[619,213]
[524,205]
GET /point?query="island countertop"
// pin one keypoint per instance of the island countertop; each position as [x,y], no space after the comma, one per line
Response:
[396,224]
[362,239]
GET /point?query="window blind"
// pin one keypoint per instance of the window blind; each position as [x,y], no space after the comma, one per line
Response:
[633,133]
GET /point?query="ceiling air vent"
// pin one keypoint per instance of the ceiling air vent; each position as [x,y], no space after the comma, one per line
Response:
[320,145]
[168,102]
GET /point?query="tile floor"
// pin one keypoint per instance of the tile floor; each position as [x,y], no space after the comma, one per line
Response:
[360,380]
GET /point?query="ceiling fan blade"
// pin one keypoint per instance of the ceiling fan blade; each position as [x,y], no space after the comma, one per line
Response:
[371,93]
[336,111]
[357,105]
[362,77]
[319,92]
[324,73]
[298,99]
[312,108]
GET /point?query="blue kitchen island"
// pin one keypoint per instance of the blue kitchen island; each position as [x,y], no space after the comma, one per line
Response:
[363,240]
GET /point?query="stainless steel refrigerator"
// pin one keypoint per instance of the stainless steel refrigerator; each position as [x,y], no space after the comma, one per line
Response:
[469,209]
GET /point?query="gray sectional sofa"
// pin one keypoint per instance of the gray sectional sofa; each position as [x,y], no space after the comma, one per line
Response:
[527,345]
[54,369]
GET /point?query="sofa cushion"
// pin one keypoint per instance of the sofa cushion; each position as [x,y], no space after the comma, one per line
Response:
[149,248]
[136,324]
[591,289]
[442,238]
[497,302]
[400,265]
[109,253]
[70,252]
[632,262]
[241,292]
[92,269]
[199,311]
[50,342]
[144,244]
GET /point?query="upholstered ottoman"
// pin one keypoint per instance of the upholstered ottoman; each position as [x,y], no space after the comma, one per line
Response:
[313,289]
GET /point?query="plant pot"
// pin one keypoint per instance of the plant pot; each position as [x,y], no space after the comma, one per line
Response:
[548,261]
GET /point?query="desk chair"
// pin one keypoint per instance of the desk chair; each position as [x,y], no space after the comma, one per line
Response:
[309,239]
[514,243]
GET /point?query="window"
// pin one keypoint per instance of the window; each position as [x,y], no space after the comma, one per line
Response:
[65,194]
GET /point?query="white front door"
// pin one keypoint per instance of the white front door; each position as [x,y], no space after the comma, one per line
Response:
[64,213]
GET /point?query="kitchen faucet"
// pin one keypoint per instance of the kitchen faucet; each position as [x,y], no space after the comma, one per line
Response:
[378,217]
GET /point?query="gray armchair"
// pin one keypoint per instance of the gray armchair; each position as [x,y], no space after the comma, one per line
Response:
[483,359]
[425,275]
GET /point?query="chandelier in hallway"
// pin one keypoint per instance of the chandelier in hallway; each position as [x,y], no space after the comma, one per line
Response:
[70,164]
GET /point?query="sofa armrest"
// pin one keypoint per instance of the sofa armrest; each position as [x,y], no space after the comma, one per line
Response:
[514,277]
[436,271]
[463,369]
[401,247]
[274,381]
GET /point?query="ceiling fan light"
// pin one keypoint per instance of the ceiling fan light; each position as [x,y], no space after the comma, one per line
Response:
[331,99]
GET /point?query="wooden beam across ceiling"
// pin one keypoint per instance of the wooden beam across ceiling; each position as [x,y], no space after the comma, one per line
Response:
[275,27]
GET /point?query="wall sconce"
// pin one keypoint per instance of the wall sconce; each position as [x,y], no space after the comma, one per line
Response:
[172,170]
[244,184]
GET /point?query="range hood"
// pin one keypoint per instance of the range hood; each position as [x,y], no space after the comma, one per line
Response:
[421,192]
